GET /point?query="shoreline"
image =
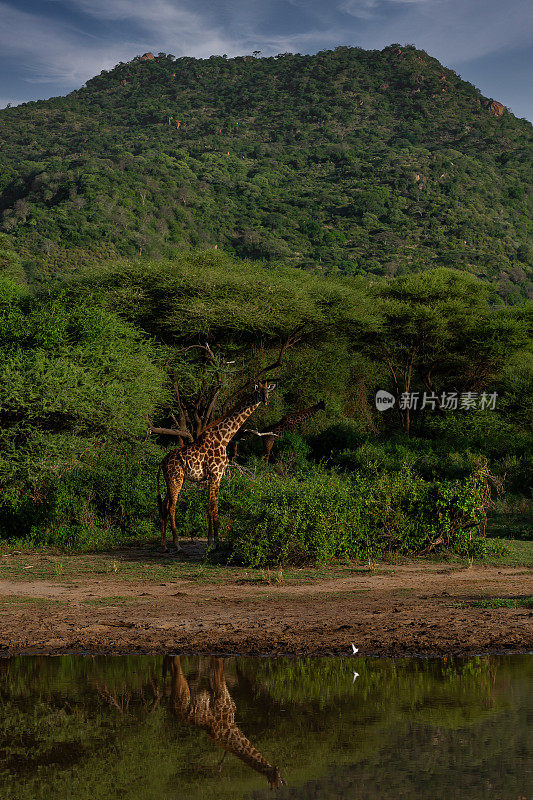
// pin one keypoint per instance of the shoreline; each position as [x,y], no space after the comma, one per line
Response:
[420,610]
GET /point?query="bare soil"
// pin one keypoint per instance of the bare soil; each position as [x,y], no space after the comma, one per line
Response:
[102,606]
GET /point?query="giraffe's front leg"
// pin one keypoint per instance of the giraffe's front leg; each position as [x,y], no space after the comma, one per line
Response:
[212,511]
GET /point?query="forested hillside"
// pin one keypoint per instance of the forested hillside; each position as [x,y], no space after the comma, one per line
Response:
[348,160]
[177,230]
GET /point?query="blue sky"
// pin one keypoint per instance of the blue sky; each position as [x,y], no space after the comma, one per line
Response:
[49,47]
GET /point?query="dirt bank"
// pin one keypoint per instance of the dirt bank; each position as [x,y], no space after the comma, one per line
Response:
[399,610]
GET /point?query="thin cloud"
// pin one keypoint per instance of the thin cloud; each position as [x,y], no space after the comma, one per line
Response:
[367,9]
[64,55]
[50,52]
[162,24]
[451,30]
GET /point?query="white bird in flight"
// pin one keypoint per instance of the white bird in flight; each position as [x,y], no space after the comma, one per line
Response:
[354,649]
[355,675]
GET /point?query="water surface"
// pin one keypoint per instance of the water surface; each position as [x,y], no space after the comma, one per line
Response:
[138,727]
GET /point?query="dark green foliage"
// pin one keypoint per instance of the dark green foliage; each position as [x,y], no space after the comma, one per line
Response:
[322,515]
[349,160]
[85,362]
[226,300]
[384,178]
[75,383]
[446,447]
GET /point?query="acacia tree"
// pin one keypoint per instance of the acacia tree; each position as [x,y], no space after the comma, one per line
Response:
[441,332]
[222,324]
[211,384]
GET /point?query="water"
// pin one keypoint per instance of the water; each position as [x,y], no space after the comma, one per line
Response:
[147,728]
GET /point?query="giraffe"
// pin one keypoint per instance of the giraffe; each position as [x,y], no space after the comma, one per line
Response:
[205,460]
[288,424]
[213,711]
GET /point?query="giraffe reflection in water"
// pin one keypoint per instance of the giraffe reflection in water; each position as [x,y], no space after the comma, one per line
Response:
[213,710]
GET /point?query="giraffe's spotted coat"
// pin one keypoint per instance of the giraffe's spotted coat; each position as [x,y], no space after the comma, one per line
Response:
[288,424]
[204,461]
[213,710]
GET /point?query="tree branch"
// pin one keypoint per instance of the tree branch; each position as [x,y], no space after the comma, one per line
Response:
[291,340]
[211,407]
[259,433]
[169,431]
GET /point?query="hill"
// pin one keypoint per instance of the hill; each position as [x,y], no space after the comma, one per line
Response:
[348,160]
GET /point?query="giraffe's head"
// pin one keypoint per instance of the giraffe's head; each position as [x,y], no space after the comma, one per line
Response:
[262,390]
[274,778]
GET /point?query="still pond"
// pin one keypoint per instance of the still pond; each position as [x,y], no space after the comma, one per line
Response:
[172,728]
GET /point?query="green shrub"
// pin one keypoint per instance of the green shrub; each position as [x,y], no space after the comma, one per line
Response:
[80,494]
[324,515]
[97,495]
[336,438]
[292,451]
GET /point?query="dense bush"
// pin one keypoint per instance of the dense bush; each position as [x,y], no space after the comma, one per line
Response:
[74,385]
[452,455]
[95,495]
[323,515]
[85,363]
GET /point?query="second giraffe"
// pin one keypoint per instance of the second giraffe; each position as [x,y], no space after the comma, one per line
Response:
[288,424]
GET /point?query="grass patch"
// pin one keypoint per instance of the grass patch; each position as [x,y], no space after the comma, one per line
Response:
[499,602]
[145,565]
[512,518]
[514,553]
[501,552]
[504,602]
[23,600]
[110,601]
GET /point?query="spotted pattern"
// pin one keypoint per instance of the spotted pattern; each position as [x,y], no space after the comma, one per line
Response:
[205,460]
[213,710]
[288,424]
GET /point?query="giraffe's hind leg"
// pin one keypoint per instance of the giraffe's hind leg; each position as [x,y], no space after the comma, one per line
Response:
[174,487]
[212,512]
[180,692]
[268,444]
[173,476]
[164,517]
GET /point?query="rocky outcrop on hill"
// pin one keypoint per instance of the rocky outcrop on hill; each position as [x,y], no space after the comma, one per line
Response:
[495,108]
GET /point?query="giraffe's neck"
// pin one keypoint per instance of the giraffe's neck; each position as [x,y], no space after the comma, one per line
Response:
[225,429]
[305,413]
[234,741]
[308,412]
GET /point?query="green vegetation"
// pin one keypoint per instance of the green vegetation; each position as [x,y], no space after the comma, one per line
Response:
[371,216]
[88,361]
[502,602]
[346,161]
[326,515]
